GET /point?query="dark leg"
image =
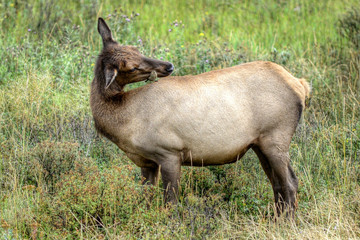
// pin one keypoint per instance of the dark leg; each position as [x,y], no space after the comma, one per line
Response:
[276,163]
[280,163]
[277,189]
[170,173]
[150,175]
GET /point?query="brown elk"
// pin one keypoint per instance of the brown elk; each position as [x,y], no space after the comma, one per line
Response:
[209,119]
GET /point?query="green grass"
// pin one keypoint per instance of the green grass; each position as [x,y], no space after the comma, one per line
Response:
[58,179]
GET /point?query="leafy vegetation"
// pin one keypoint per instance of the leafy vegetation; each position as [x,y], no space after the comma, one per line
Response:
[58,179]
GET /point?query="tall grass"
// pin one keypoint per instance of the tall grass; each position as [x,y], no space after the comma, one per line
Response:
[58,179]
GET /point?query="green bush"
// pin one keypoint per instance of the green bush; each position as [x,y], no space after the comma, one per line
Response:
[48,161]
[87,196]
[349,26]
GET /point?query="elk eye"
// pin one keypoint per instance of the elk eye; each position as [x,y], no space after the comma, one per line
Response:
[133,70]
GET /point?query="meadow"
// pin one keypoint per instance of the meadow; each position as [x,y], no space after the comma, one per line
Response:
[60,180]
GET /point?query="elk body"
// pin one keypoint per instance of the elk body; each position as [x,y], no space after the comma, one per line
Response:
[207,119]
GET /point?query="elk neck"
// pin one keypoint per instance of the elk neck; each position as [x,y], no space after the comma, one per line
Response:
[108,106]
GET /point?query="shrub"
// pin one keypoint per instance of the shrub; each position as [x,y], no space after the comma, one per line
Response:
[90,197]
[49,160]
[349,26]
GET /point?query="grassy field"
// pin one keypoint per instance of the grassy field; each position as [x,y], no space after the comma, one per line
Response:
[59,180]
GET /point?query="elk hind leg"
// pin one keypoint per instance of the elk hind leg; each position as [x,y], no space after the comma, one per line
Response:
[276,163]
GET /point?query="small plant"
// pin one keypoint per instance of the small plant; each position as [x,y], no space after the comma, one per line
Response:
[281,57]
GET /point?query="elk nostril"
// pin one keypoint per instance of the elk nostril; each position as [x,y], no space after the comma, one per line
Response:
[170,68]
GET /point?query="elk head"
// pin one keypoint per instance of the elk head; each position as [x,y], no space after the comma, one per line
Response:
[125,64]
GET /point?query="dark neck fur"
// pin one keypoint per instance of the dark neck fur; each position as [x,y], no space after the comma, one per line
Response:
[114,92]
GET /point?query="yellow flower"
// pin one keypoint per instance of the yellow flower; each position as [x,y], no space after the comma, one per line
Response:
[206,13]
[201,34]
[182,46]
[92,64]
[11,4]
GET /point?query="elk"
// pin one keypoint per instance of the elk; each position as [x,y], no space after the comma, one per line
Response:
[212,118]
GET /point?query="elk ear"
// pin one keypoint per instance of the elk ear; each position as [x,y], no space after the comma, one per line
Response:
[110,75]
[104,31]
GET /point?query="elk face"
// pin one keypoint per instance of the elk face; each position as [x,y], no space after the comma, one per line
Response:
[125,64]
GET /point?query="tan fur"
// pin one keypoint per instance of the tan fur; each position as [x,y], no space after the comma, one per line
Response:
[306,87]
[207,119]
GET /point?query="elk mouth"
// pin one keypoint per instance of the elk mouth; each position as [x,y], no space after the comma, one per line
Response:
[169,68]
[161,74]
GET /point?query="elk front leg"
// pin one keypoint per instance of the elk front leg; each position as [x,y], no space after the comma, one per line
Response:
[170,174]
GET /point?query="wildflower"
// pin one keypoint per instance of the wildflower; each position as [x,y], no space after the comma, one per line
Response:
[207,61]
[140,40]
[161,58]
[92,64]
[109,15]
[137,14]
[29,30]
[127,19]
[182,46]
[11,4]
[297,9]
[201,34]
[175,25]
[170,29]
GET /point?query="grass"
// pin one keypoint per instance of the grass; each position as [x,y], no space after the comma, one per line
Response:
[58,179]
